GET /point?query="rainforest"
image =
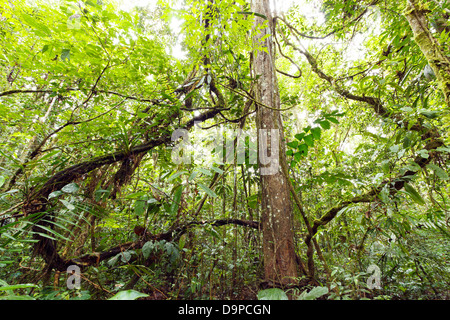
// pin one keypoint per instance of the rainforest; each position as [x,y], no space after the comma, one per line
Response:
[224,150]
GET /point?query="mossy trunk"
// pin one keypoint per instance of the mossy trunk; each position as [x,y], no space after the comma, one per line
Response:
[416,14]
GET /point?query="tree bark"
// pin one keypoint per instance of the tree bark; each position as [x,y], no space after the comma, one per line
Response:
[278,241]
[416,15]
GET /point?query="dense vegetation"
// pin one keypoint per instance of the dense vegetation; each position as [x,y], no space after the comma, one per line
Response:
[117,128]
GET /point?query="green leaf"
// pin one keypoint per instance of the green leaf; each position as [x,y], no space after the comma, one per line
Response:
[70,188]
[55,194]
[430,114]
[331,119]
[18,286]
[406,142]
[208,191]
[135,195]
[139,207]
[2,180]
[37,26]
[293,144]
[303,149]
[299,136]
[423,153]
[438,171]
[325,124]
[176,200]
[272,294]
[313,294]
[67,204]
[205,171]
[14,297]
[65,54]
[128,295]
[192,176]
[176,175]
[385,165]
[218,170]
[316,132]
[147,248]
[414,194]
[309,139]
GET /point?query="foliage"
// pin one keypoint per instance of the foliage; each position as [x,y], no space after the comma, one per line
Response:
[91,92]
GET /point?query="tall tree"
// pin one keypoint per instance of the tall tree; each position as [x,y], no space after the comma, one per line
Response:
[278,241]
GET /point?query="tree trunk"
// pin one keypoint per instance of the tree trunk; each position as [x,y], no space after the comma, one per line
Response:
[435,55]
[278,242]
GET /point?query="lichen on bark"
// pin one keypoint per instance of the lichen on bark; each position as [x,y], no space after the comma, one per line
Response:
[416,14]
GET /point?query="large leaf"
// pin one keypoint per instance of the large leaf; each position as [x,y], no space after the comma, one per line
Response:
[18,286]
[128,295]
[176,175]
[176,200]
[325,124]
[309,139]
[438,171]
[208,191]
[40,28]
[313,294]
[272,294]
[70,188]
[414,194]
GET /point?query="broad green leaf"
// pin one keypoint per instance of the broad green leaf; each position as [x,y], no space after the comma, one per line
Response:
[316,132]
[309,139]
[438,171]
[65,54]
[430,114]
[208,191]
[67,204]
[176,175]
[218,170]
[176,200]
[325,124]
[272,294]
[313,294]
[55,194]
[293,144]
[147,248]
[2,180]
[423,153]
[125,256]
[14,297]
[331,119]
[414,194]
[140,206]
[135,195]
[128,295]
[70,188]
[192,176]
[299,136]
[18,286]
[303,149]
[41,28]
[205,171]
